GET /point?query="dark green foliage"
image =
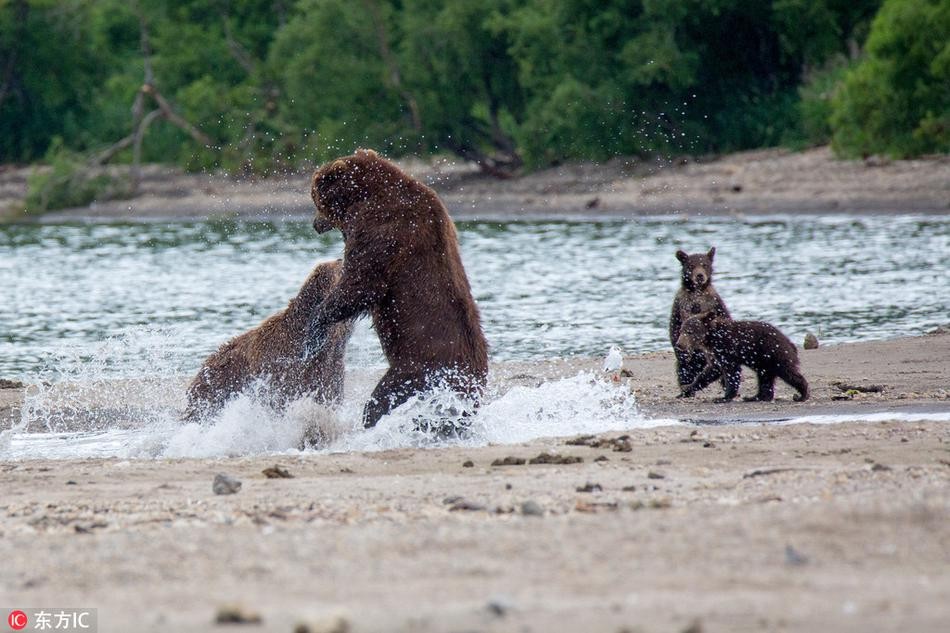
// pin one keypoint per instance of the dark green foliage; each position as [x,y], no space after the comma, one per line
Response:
[897,100]
[48,73]
[279,83]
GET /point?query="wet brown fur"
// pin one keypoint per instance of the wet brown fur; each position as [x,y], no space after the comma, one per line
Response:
[402,265]
[730,344]
[275,349]
[695,296]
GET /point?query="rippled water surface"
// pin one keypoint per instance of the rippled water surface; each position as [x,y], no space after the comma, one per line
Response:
[170,293]
[105,322]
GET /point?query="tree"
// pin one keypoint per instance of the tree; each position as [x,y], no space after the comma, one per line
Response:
[896,101]
[48,73]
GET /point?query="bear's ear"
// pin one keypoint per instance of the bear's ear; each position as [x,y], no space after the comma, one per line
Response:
[711,253]
[325,188]
[682,256]
[367,153]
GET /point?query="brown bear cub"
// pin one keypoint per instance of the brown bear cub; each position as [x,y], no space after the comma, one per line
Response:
[730,344]
[695,296]
[274,350]
[401,264]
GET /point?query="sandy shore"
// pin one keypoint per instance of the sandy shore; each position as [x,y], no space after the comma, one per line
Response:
[682,528]
[757,182]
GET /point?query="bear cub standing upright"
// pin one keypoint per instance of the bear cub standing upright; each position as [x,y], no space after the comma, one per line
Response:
[730,344]
[695,296]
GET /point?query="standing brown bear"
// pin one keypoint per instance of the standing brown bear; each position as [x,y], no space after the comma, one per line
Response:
[730,344]
[695,296]
[401,264]
[274,349]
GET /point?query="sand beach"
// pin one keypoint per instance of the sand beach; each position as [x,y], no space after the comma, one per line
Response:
[708,526]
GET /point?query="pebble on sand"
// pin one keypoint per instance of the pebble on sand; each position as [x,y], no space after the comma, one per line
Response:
[277,472]
[811,341]
[331,624]
[554,458]
[590,487]
[509,461]
[236,614]
[532,508]
[225,484]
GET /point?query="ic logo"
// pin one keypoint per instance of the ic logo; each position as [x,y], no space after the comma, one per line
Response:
[17,620]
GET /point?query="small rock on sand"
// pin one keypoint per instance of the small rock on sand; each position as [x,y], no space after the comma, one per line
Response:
[331,624]
[509,461]
[499,606]
[811,341]
[236,614]
[554,458]
[276,472]
[695,626]
[468,464]
[793,557]
[590,487]
[225,484]
[463,505]
[532,508]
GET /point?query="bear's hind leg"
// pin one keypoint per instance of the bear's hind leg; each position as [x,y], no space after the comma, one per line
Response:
[796,380]
[766,390]
[392,391]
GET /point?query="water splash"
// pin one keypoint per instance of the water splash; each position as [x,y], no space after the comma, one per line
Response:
[73,392]
[146,423]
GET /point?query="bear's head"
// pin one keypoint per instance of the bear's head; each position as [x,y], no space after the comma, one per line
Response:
[697,332]
[342,184]
[697,269]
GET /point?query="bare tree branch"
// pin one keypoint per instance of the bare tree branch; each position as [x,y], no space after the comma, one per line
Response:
[109,153]
[175,119]
[238,52]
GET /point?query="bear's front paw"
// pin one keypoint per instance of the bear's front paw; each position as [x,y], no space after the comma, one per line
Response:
[686,394]
[316,336]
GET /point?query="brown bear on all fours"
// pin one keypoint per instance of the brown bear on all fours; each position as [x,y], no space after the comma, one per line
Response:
[275,349]
[401,264]
[695,296]
[730,344]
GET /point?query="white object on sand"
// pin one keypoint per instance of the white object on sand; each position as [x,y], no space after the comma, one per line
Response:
[614,360]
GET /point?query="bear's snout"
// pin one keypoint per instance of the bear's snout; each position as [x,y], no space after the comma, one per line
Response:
[321,225]
[682,343]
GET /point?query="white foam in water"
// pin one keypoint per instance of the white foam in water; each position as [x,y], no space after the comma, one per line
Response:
[867,417]
[566,406]
[73,411]
[248,426]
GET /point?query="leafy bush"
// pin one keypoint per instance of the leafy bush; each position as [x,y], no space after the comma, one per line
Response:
[815,106]
[897,100]
[69,182]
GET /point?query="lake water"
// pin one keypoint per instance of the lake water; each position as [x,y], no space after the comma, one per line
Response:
[140,305]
